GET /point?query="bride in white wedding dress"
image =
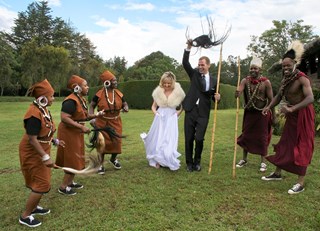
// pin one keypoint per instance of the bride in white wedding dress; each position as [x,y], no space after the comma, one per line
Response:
[161,142]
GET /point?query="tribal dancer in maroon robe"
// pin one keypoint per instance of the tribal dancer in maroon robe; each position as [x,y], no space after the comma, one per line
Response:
[256,128]
[294,151]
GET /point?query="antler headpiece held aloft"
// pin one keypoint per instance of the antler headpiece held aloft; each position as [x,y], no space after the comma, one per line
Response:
[209,40]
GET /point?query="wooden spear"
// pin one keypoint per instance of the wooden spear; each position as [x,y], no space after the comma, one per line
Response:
[215,111]
[236,127]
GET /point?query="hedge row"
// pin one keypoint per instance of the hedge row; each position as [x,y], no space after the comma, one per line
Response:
[138,93]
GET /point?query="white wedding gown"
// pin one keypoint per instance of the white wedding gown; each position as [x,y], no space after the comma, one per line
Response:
[161,142]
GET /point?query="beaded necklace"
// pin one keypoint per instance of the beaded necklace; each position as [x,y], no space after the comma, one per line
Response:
[46,114]
[286,81]
[82,101]
[112,102]
[253,95]
[108,96]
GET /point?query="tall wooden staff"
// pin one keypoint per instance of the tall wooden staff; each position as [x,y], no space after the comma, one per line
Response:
[236,127]
[215,111]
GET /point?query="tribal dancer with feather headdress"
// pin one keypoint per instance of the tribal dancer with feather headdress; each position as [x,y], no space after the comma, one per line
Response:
[294,151]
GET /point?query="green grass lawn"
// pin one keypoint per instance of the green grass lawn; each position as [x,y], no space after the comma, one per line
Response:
[139,197]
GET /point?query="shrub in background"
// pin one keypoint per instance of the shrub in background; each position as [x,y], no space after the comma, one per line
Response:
[138,93]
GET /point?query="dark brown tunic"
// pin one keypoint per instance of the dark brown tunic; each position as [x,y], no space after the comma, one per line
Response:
[36,174]
[112,118]
[73,154]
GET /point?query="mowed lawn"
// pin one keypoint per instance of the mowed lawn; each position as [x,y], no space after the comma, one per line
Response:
[139,197]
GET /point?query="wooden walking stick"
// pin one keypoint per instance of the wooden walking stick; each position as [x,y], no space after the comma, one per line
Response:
[215,111]
[236,127]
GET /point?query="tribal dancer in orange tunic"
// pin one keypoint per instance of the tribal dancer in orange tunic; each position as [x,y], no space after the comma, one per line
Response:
[110,100]
[71,129]
[34,150]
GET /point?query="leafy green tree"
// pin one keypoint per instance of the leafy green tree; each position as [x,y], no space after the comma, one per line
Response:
[36,33]
[8,62]
[55,65]
[181,74]
[118,65]
[44,62]
[151,67]
[84,60]
[91,69]
[230,70]
[34,24]
[273,43]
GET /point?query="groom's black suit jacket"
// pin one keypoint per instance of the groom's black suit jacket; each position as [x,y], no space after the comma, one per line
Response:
[195,91]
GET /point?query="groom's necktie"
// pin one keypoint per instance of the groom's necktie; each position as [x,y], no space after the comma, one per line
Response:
[203,82]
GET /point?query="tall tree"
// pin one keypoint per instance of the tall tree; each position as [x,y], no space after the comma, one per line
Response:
[44,62]
[8,62]
[273,43]
[34,24]
[151,67]
[36,32]
[118,65]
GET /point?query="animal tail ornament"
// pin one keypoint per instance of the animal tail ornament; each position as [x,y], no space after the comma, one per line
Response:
[97,139]
[93,166]
[209,40]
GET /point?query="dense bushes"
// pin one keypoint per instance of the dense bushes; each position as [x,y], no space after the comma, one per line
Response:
[138,93]
[138,96]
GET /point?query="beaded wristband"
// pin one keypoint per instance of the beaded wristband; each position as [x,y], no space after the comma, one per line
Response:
[56,142]
[45,157]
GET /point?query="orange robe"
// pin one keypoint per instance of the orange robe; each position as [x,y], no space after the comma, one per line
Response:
[111,119]
[73,154]
[36,174]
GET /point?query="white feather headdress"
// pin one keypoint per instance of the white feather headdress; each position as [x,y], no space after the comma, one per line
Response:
[256,62]
[295,51]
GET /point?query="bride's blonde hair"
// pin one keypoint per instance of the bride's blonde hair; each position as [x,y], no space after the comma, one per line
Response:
[167,75]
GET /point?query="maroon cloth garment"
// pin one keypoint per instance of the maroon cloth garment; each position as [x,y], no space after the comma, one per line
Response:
[294,151]
[256,132]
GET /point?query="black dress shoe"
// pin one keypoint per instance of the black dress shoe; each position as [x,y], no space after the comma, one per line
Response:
[189,168]
[197,167]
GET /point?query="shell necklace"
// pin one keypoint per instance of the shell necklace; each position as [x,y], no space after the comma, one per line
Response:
[112,102]
[46,114]
[82,101]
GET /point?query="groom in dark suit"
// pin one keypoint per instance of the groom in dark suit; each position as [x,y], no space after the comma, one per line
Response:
[197,104]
